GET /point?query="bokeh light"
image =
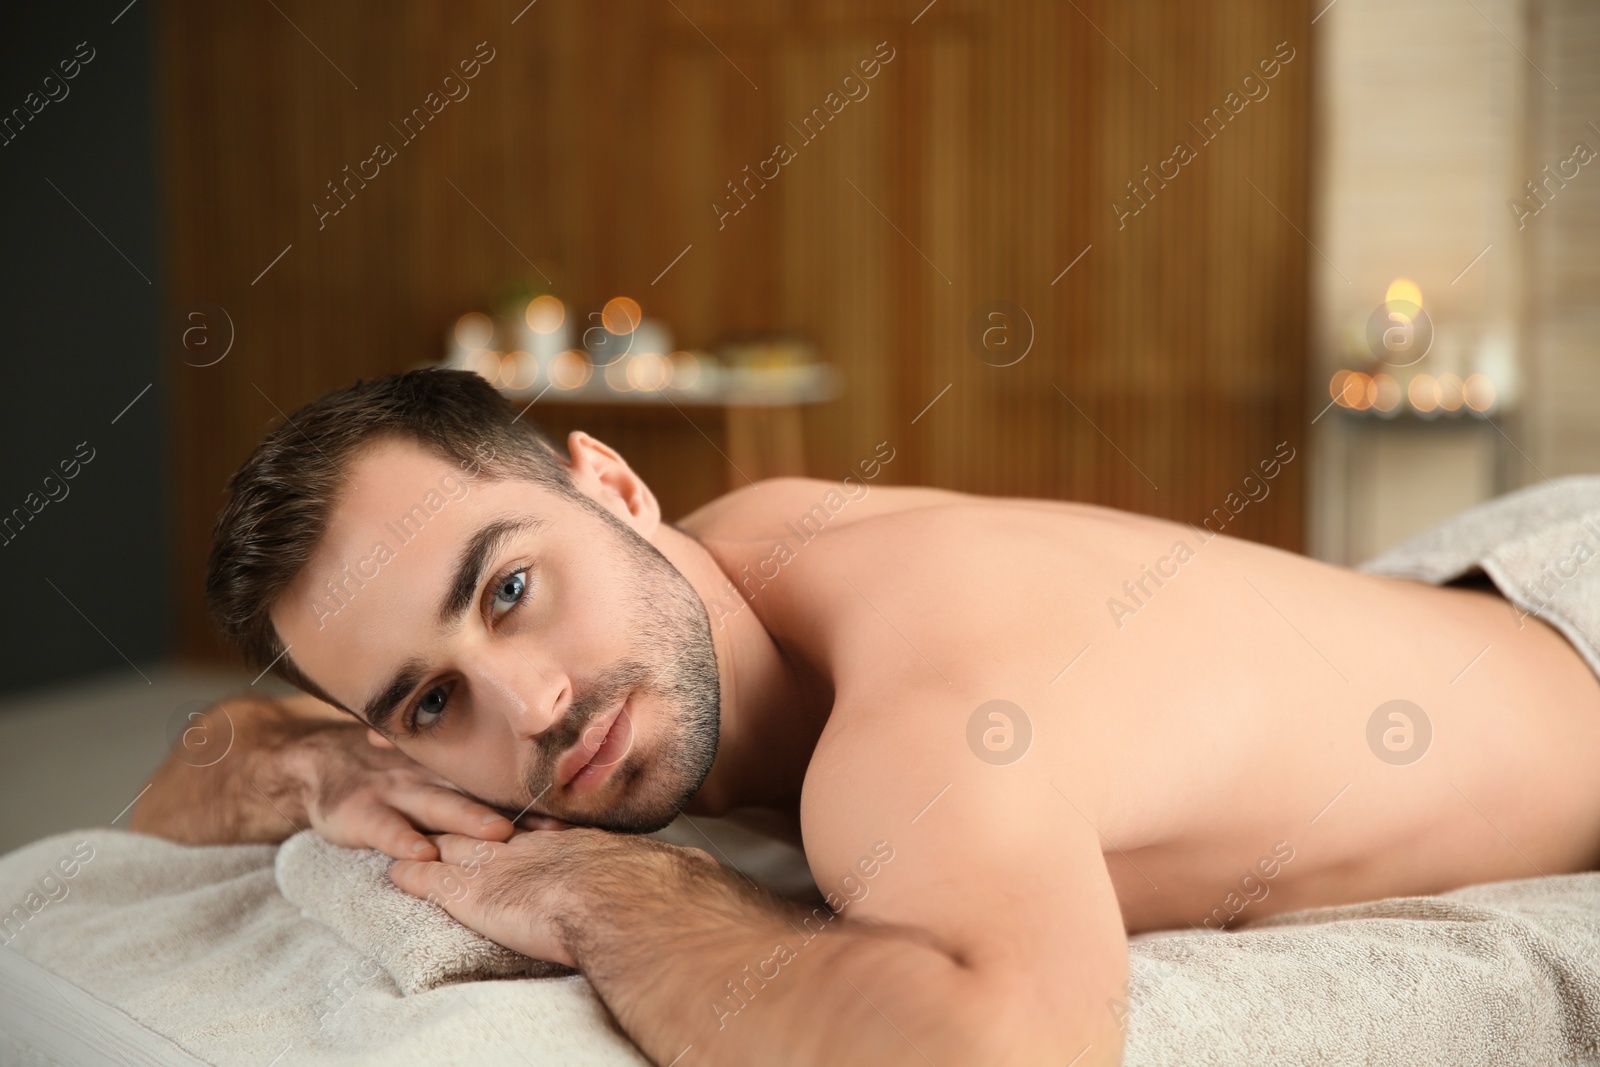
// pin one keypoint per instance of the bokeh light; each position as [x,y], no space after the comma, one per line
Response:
[1450,392]
[1403,291]
[621,315]
[519,370]
[544,314]
[649,372]
[1352,389]
[570,370]
[617,375]
[1478,392]
[474,330]
[1385,392]
[685,370]
[485,363]
[1423,392]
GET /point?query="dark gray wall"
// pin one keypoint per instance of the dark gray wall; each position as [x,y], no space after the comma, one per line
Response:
[83,582]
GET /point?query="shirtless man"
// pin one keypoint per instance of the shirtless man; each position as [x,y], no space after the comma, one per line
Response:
[997,775]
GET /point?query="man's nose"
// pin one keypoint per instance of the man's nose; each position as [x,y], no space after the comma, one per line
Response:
[510,683]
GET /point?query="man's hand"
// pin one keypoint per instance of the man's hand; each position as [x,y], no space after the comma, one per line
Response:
[521,892]
[358,795]
[517,892]
[678,945]
[286,764]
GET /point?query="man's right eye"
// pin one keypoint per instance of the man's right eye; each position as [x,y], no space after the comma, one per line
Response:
[508,591]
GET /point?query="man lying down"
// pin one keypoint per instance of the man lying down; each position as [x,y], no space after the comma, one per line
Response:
[995,777]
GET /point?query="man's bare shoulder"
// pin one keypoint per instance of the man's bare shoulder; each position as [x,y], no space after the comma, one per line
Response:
[762,509]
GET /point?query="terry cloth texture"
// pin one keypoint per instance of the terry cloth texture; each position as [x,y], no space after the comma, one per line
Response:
[415,941]
[1540,546]
[1499,975]
[198,946]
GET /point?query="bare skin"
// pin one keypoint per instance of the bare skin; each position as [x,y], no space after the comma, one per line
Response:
[1200,757]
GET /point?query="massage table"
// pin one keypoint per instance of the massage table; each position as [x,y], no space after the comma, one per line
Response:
[150,952]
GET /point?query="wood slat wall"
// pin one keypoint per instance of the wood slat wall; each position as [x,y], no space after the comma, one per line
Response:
[1165,364]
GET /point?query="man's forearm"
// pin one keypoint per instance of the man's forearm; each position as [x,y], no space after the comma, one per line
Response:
[690,956]
[224,780]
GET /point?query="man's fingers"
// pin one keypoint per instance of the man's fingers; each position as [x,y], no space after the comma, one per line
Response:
[443,884]
[381,827]
[541,822]
[459,891]
[468,852]
[445,810]
[437,882]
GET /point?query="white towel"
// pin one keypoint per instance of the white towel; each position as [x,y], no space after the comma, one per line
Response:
[1497,975]
[1540,546]
[415,941]
[197,944]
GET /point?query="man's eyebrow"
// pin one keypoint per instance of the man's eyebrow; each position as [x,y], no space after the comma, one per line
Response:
[458,598]
[381,708]
[474,558]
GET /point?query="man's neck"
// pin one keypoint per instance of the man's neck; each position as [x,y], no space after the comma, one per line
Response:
[773,706]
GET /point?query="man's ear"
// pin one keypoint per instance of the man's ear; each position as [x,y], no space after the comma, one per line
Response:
[599,472]
[377,740]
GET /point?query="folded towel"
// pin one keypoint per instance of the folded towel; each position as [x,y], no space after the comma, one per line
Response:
[197,944]
[415,941]
[1537,545]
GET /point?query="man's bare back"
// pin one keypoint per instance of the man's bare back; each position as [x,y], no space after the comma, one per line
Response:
[1213,725]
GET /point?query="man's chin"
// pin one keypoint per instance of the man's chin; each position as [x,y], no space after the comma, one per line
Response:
[632,804]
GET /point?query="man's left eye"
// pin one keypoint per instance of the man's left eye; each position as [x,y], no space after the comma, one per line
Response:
[428,710]
[508,592]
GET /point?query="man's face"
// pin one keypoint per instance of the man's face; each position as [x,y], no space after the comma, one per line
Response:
[504,636]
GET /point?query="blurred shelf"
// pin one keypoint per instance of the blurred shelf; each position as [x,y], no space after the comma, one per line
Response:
[733,387]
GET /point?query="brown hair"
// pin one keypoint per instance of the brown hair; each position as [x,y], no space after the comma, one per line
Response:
[281,498]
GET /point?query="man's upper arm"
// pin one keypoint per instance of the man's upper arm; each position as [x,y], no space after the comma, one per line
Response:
[905,826]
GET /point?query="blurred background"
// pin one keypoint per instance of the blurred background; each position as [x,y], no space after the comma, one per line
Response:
[1130,254]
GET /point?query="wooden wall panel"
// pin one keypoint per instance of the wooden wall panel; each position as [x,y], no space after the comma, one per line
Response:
[591,148]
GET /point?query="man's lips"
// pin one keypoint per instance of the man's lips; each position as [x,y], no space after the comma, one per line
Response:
[592,742]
